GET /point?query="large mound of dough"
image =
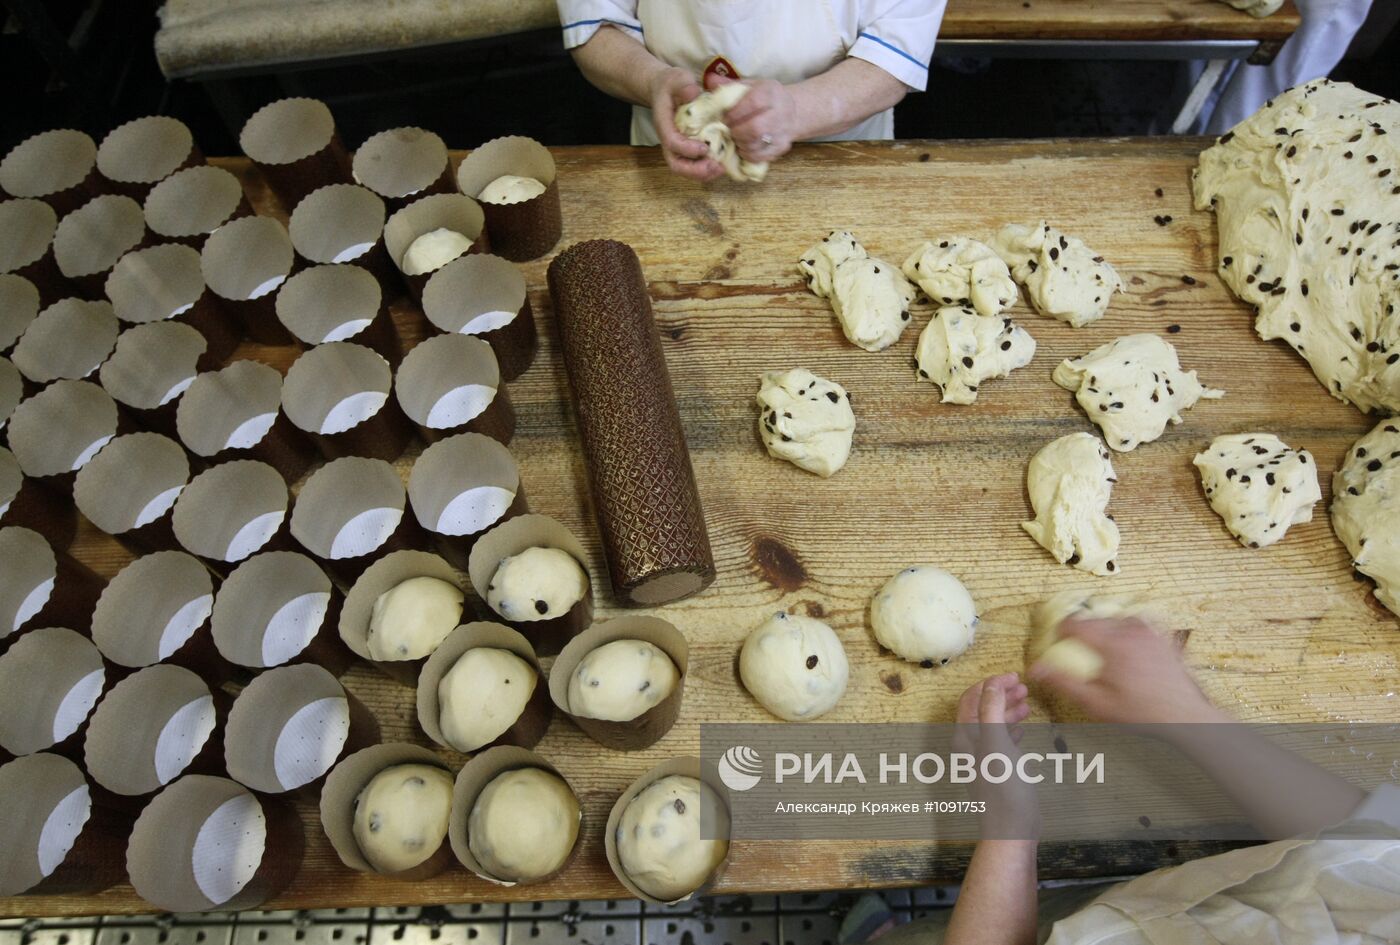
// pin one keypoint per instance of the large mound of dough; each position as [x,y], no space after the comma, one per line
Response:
[1132,387]
[410,619]
[1258,485]
[433,250]
[806,420]
[1306,195]
[702,118]
[794,666]
[482,696]
[1366,509]
[1063,278]
[870,297]
[523,825]
[1070,656]
[962,271]
[959,349]
[401,816]
[924,615]
[621,680]
[659,842]
[1070,481]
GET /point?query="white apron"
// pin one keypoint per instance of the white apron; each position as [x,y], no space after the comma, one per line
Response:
[786,40]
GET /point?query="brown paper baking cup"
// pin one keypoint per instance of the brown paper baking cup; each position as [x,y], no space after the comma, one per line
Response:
[279,607]
[152,727]
[328,303]
[480,771]
[165,284]
[189,205]
[511,538]
[19,304]
[339,394]
[28,503]
[58,431]
[209,843]
[236,413]
[90,240]
[483,295]
[344,223]
[527,730]
[451,384]
[290,726]
[341,790]
[11,390]
[41,587]
[50,680]
[525,229]
[56,839]
[426,214]
[649,727]
[639,471]
[244,263]
[352,512]
[403,164]
[151,368]
[68,340]
[689,767]
[136,156]
[27,228]
[130,487]
[58,167]
[460,487]
[294,143]
[234,510]
[384,575]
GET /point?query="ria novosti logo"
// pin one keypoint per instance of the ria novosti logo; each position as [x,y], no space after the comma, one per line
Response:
[740,768]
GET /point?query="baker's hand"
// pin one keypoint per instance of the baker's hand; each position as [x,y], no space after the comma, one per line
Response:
[670,89]
[990,714]
[764,122]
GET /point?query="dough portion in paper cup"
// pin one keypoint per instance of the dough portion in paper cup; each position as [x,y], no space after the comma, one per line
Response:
[422,617]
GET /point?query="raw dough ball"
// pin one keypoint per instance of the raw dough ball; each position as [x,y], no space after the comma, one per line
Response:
[1258,8]
[1305,193]
[1063,278]
[620,680]
[1070,481]
[1073,657]
[523,825]
[433,250]
[794,666]
[482,695]
[960,349]
[1131,387]
[658,837]
[870,297]
[510,188]
[1258,485]
[925,615]
[1366,509]
[703,119]
[806,420]
[411,618]
[537,584]
[401,816]
[962,271]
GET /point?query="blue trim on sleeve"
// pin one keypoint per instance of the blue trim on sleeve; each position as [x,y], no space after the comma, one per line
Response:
[569,26]
[894,49]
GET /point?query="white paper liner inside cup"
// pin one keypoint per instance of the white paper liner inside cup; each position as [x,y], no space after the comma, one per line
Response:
[474,294]
[67,340]
[48,163]
[153,364]
[232,408]
[400,162]
[193,203]
[337,223]
[50,679]
[134,481]
[447,380]
[382,576]
[19,302]
[11,393]
[335,387]
[231,510]
[145,150]
[155,284]
[329,303]
[91,239]
[152,608]
[349,508]
[455,212]
[287,728]
[62,427]
[463,484]
[27,228]
[149,729]
[28,578]
[47,804]
[270,609]
[247,258]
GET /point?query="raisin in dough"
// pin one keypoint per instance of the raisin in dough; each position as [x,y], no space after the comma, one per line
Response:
[409,620]
[1063,278]
[620,680]
[510,188]
[924,615]
[482,695]
[1258,485]
[659,844]
[401,816]
[433,250]
[537,584]
[1071,656]
[1070,481]
[703,119]
[794,666]
[959,349]
[1366,509]
[1306,194]
[1132,387]
[962,271]
[870,297]
[523,825]
[806,420]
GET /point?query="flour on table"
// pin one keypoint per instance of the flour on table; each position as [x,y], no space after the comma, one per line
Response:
[959,349]
[1063,278]
[806,420]
[1366,508]
[961,271]
[870,297]
[1258,485]
[703,119]
[1070,482]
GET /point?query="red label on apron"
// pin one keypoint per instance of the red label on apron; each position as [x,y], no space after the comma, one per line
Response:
[719,66]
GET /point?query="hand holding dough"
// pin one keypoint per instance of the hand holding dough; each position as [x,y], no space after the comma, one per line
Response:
[1070,656]
[510,188]
[659,844]
[924,615]
[1258,485]
[1063,278]
[961,271]
[433,250]
[1070,481]
[794,666]
[409,620]
[703,119]
[482,695]
[1366,508]
[806,420]
[621,680]
[959,350]
[401,816]
[870,297]
[523,825]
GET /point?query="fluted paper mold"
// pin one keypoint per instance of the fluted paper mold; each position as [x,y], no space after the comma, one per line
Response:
[151,368]
[379,578]
[353,511]
[30,504]
[294,143]
[136,156]
[339,394]
[50,680]
[60,429]
[451,384]
[165,284]
[403,164]
[236,413]
[11,391]
[437,212]
[339,303]
[58,167]
[279,607]
[189,205]
[643,486]
[27,228]
[244,262]
[484,295]
[234,510]
[41,587]
[130,487]
[524,229]
[462,486]
[67,341]
[19,304]
[344,223]
[90,240]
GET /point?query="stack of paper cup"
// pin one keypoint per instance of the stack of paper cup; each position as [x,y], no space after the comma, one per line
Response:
[130,487]
[236,413]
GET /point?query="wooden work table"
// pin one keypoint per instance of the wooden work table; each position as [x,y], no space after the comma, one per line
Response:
[1283,634]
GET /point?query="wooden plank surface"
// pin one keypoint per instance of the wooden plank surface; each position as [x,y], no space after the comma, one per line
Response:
[1283,634]
[1113,20]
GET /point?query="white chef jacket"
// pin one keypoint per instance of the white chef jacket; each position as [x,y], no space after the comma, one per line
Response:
[786,40]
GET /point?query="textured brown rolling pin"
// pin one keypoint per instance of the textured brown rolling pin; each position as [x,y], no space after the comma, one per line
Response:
[644,493]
